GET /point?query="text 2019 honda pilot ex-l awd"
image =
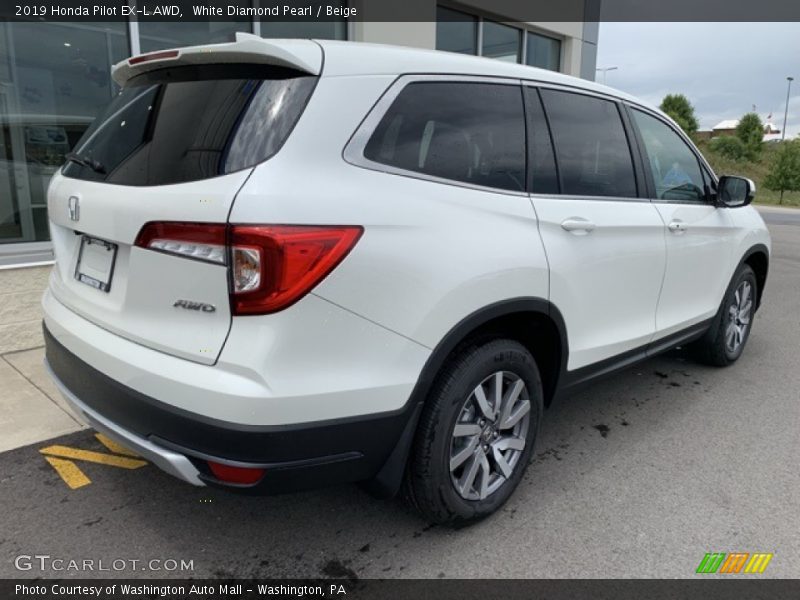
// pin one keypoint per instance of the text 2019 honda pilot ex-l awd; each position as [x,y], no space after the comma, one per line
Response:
[287,264]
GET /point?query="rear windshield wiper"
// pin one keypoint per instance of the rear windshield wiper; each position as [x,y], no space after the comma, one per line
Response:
[85,161]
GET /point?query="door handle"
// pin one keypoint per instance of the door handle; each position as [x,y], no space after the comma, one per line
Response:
[577,225]
[677,226]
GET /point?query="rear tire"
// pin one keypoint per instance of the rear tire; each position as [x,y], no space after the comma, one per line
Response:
[724,342]
[469,454]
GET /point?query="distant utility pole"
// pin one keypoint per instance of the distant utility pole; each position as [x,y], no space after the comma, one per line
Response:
[605,71]
[786,110]
[785,115]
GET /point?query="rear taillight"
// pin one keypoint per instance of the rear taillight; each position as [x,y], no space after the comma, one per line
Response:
[201,241]
[276,265]
[272,266]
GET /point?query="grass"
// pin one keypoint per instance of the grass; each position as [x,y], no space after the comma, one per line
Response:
[755,170]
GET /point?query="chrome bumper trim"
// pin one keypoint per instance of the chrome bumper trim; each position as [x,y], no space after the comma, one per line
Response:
[173,463]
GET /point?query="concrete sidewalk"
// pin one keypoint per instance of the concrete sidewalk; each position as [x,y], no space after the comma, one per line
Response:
[31,408]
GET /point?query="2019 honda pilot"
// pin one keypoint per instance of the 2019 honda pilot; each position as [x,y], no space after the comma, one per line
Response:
[286,264]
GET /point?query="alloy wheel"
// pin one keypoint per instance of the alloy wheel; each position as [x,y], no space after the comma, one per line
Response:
[489,435]
[739,316]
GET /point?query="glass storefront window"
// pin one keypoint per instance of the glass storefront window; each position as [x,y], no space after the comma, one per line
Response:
[54,78]
[456,31]
[501,42]
[543,51]
[320,30]
[459,32]
[157,35]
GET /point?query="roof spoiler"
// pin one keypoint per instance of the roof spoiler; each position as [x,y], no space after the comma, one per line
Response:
[302,55]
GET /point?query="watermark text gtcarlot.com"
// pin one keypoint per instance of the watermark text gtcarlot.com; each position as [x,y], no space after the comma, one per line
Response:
[45,562]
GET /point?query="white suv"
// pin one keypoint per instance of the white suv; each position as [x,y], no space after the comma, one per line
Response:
[286,264]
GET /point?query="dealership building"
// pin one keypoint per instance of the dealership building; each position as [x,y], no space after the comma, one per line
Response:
[55,77]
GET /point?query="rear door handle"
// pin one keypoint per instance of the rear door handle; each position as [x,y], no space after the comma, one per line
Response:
[677,226]
[577,225]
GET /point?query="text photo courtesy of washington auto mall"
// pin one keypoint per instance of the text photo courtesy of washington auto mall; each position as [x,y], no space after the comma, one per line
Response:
[423,299]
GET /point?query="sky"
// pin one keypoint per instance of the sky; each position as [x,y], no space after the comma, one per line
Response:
[722,68]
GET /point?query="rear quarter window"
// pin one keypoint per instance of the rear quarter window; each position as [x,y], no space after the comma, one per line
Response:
[191,123]
[467,132]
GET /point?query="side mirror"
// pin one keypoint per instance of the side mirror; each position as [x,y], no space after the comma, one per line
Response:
[735,191]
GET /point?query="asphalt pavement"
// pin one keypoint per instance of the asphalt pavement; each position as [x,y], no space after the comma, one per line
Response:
[640,476]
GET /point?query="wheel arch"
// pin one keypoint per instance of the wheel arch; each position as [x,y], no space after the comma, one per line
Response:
[534,322]
[757,258]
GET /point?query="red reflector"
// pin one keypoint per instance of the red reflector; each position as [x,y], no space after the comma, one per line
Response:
[289,259]
[152,56]
[229,474]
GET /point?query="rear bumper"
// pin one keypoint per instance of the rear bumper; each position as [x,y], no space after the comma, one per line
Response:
[315,395]
[294,457]
[171,462]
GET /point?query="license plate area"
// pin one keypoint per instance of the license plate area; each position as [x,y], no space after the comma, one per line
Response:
[96,260]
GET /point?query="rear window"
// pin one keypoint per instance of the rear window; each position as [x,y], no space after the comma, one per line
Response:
[191,123]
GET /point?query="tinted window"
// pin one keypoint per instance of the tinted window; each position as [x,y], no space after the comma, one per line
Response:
[676,172]
[191,123]
[594,158]
[470,132]
[544,177]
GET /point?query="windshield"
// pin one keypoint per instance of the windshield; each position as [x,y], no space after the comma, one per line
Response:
[190,123]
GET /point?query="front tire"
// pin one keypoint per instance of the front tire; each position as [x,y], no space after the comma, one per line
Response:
[725,340]
[476,433]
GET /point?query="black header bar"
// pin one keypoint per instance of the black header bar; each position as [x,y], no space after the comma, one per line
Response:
[401,10]
[737,586]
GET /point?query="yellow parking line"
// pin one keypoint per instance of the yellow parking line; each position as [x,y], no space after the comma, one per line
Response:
[95,457]
[114,446]
[69,472]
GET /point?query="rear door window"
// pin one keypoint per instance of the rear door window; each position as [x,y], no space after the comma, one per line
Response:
[191,123]
[467,132]
[594,158]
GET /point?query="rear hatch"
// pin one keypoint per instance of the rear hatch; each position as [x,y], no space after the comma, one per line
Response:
[175,146]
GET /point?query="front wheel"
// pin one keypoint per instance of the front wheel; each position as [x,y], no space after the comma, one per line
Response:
[725,340]
[476,433]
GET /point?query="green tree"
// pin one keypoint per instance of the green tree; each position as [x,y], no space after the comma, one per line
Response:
[729,146]
[784,175]
[751,131]
[681,110]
